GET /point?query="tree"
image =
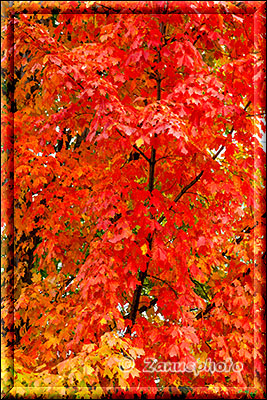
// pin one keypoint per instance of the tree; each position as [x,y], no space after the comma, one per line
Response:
[138,194]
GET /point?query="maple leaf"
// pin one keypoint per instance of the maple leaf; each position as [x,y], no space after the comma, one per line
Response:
[174,351]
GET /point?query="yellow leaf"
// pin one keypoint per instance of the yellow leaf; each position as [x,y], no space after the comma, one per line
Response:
[79,172]
[19,391]
[88,370]
[40,367]
[36,277]
[139,142]
[88,347]
[103,321]
[108,372]
[144,249]
[203,356]
[61,391]
[45,59]
[96,394]
[52,341]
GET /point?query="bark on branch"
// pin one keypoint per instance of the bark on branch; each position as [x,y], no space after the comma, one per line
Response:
[197,178]
[166,283]
[151,179]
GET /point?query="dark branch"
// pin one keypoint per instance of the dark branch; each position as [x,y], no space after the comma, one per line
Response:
[141,152]
[197,178]
[135,147]
[151,304]
[184,190]
[152,170]
[151,179]
[143,308]
[201,314]
[163,281]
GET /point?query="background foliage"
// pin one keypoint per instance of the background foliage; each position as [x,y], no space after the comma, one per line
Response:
[131,150]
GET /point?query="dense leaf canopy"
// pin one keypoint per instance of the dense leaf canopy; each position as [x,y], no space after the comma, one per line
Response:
[133,167]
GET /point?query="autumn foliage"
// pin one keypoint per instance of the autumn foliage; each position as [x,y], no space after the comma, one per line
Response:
[133,172]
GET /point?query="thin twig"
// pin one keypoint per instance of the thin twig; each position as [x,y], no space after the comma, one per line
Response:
[135,147]
[163,281]
[197,178]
